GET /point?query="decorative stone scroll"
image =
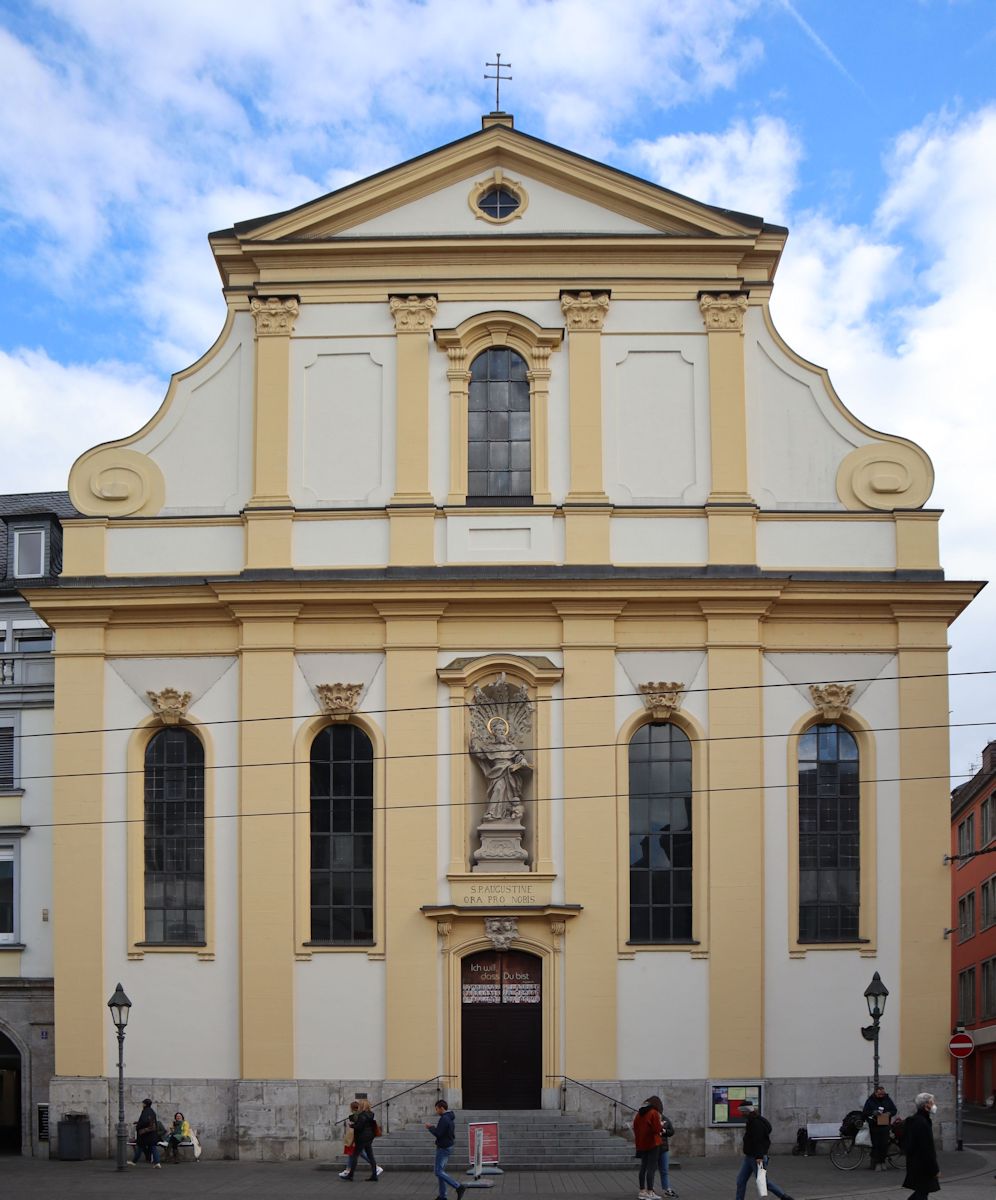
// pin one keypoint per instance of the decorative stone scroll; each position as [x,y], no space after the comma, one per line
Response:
[339,700]
[884,476]
[832,699]
[724,312]
[501,930]
[585,310]
[170,705]
[413,314]
[113,481]
[663,700]
[275,315]
[501,718]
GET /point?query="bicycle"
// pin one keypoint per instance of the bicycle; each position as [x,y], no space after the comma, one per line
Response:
[846,1154]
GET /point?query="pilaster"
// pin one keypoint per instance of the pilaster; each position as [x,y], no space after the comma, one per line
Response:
[589,642]
[411,644]
[736,838]
[266,840]
[274,317]
[729,508]
[77,847]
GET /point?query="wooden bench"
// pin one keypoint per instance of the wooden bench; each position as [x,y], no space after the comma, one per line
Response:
[820,1131]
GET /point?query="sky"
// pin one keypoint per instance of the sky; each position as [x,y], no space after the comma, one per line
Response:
[132,128]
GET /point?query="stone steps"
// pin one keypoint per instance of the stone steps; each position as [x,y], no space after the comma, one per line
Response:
[541,1140]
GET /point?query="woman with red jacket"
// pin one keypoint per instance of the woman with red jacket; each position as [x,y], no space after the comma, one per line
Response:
[648,1135]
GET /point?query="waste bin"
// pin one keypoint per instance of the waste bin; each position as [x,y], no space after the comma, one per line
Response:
[74,1136]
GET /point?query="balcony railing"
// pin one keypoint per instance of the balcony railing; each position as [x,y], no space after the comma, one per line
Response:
[34,671]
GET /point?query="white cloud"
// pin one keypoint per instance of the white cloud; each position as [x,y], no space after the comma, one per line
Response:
[53,412]
[750,168]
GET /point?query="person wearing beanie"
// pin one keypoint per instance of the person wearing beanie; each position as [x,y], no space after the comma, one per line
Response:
[147,1135]
[756,1144]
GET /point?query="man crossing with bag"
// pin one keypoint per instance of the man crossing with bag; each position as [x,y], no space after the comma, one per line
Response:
[757,1143]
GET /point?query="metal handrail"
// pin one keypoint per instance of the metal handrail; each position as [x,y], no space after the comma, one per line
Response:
[605,1095]
[386,1103]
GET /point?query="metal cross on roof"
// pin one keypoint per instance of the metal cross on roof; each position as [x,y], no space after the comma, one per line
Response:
[498,77]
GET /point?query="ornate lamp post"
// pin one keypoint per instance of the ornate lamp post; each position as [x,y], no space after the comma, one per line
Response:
[120,1007]
[876,994]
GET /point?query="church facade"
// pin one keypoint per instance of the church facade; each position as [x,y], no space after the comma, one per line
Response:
[499,665]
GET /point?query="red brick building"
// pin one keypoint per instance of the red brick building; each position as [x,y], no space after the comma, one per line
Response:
[973,921]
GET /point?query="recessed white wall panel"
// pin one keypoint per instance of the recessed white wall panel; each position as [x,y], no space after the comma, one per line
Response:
[176,550]
[826,545]
[339,1016]
[659,540]
[667,995]
[341,543]
[493,539]
[354,319]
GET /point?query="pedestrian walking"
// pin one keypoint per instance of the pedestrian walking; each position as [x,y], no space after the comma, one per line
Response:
[349,1147]
[922,1168]
[444,1131]
[757,1143]
[365,1129]
[147,1136]
[879,1110]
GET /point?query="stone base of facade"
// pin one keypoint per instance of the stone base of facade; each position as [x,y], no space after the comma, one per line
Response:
[279,1120]
[27,1019]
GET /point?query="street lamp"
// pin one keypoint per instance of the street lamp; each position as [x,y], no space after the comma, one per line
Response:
[120,1007]
[876,994]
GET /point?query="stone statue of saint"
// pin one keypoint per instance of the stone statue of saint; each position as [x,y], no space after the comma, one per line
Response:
[503,764]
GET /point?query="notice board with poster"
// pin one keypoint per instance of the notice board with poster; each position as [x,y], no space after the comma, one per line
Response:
[725,1100]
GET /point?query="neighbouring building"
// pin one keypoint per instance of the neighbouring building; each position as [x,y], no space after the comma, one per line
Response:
[973,922]
[30,553]
[501,661]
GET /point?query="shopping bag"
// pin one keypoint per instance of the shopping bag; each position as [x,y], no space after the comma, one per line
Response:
[761,1179]
[863,1137]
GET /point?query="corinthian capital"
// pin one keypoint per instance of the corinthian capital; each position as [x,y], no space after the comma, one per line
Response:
[274,315]
[413,314]
[585,310]
[724,311]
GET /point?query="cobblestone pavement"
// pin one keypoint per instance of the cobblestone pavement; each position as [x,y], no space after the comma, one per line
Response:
[964,1176]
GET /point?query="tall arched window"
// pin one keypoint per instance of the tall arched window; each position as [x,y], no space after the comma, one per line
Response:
[174,838]
[660,835]
[829,835]
[498,446]
[342,836]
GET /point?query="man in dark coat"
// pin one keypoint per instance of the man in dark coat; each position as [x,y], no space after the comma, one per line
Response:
[757,1143]
[879,1105]
[922,1168]
[147,1135]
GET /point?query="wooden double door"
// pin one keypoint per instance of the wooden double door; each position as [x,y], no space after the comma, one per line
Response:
[502,1021]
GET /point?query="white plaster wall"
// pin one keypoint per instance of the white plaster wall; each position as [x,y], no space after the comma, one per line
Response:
[439,424]
[630,317]
[341,543]
[814,1007]
[339,1015]
[826,545]
[35,879]
[558,894]
[176,550]
[350,319]
[447,211]
[655,392]
[345,666]
[160,982]
[501,539]
[444,792]
[663,1016]
[342,421]
[796,435]
[688,667]
[203,443]
[673,540]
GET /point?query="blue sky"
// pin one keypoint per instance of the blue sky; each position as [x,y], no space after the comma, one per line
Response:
[867,126]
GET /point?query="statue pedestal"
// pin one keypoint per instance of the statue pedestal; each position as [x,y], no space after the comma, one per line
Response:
[501,848]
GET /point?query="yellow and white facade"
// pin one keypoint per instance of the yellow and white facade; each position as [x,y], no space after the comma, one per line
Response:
[703,511]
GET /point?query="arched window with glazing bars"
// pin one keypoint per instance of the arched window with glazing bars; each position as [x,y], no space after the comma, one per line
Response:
[498,429]
[174,838]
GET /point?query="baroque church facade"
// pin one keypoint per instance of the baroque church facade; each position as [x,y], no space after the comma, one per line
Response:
[496,666]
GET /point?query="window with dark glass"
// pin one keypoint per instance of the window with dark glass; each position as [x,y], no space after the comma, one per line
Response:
[6,757]
[342,836]
[966,917]
[499,202]
[174,838]
[660,835]
[966,996]
[498,448]
[829,835]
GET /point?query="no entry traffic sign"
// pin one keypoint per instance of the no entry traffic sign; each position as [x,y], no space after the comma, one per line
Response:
[961,1045]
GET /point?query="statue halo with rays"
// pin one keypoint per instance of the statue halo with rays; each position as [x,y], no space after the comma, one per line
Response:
[500,709]
[500,717]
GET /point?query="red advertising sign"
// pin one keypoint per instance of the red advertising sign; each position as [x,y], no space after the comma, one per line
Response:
[489,1154]
[961,1045]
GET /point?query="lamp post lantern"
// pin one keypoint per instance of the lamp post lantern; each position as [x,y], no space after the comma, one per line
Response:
[120,1007]
[876,994]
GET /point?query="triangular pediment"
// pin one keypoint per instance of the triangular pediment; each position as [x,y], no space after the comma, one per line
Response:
[428,196]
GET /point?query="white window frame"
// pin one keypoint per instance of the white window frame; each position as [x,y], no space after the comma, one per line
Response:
[18,533]
[10,852]
[966,916]
[966,837]
[988,829]
[966,996]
